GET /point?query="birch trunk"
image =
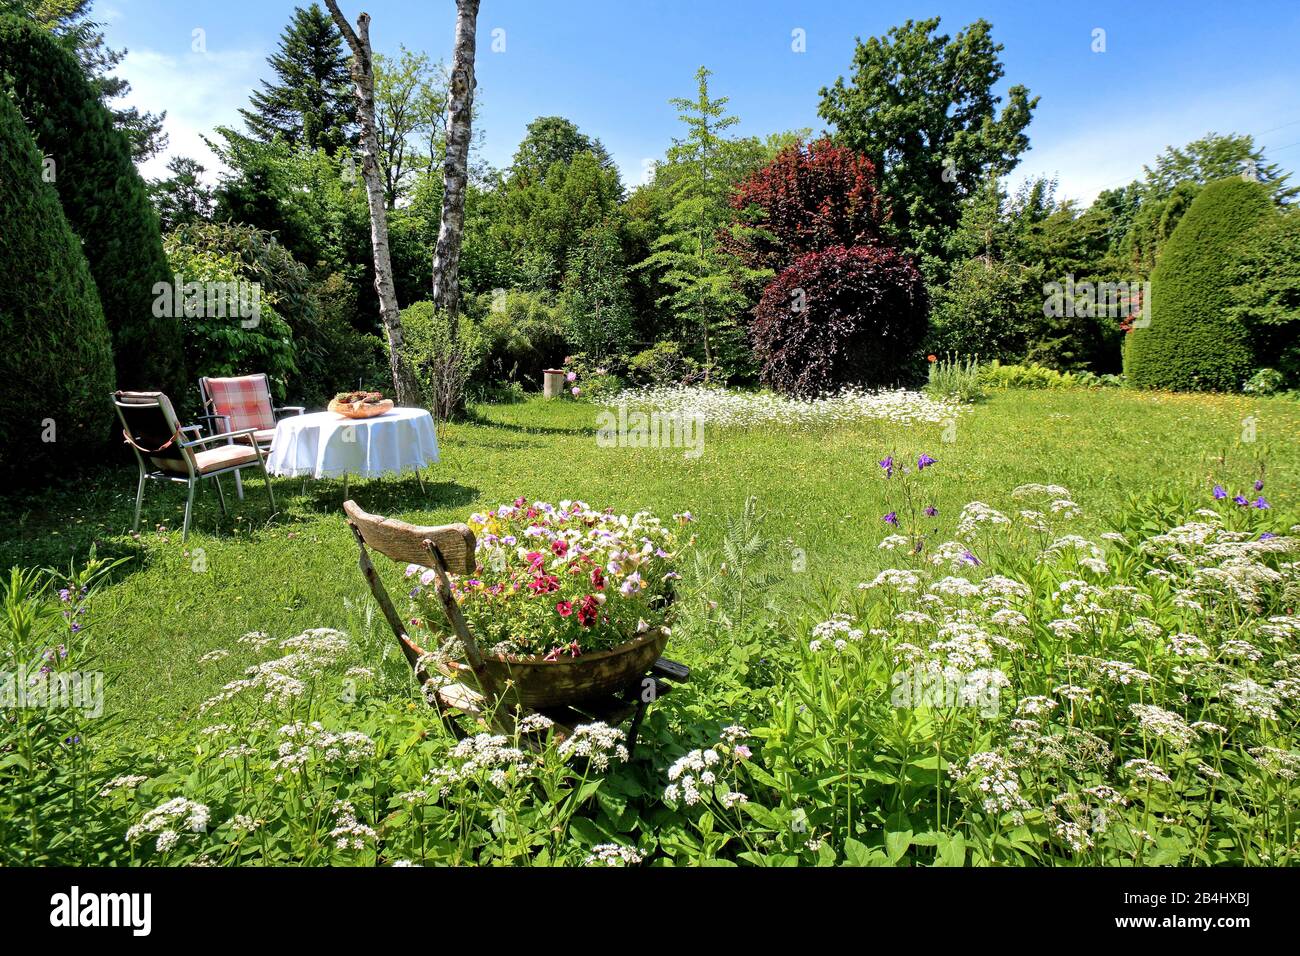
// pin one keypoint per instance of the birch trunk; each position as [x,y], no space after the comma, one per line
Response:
[363,78]
[460,108]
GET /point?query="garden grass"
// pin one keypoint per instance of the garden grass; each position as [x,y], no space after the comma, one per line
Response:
[819,490]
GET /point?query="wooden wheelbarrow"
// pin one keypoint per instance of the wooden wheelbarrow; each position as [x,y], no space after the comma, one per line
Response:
[490,692]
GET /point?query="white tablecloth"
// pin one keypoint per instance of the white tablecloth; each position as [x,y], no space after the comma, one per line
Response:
[326,445]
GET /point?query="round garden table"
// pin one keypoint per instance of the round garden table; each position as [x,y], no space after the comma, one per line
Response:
[327,445]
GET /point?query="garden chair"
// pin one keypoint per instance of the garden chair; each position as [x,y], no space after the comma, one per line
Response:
[150,427]
[244,401]
[449,549]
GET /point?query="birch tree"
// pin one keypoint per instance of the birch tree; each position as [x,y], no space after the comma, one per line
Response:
[460,110]
[363,79]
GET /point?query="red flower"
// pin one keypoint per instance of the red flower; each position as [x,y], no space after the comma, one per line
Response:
[560,547]
[598,579]
[544,584]
[534,558]
[589,611]
[564,608]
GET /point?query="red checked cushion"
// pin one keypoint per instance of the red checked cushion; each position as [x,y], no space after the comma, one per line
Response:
[245,399]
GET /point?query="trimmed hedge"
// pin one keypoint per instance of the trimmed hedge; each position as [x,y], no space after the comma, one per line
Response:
[57,351]
[1194,343]
[840,317]
[103,197]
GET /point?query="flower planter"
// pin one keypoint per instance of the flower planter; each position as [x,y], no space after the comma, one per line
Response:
[543,683]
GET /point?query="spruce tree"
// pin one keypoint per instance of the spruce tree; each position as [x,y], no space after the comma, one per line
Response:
[310,102]
[704,277]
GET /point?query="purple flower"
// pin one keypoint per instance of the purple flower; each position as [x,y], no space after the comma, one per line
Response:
[1261,502]
[1240,500]
[971,559]
[891,518]
[1259,484]
[887,463]
[931,511]
[923,461]
[1266,535]
[64,595]
[1220,493]
[76,627]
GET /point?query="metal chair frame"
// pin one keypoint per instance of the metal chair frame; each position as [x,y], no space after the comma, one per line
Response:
[211,406]
[193,476]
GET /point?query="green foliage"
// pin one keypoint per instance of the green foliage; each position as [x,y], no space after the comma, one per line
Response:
[310,102]
[594,300]
[307,198]
[229,330]
[550,140]
[1267,381]
[104,199]
[540,223]
[1265,295]
[664,363]
[523,333]
[955,379]
[702,278]
[57,347]
[53,735]
[329,354]
[1033,375]
[410,107]
[72,23]
[334,356]
[1217,157]
[443,366]
[182,197]
[921,106]
[1194,342]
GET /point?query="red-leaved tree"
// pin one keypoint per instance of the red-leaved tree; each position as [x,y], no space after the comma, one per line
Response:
[840,317]
[808,198]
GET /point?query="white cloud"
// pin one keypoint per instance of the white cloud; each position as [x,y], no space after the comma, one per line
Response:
[199,91]
[1108,147]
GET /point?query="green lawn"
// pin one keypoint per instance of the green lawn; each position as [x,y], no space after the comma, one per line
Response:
[819,489]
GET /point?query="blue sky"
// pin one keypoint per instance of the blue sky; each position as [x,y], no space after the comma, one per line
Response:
[1169,73]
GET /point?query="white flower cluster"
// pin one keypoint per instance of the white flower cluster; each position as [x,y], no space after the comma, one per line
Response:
[303,740]
[730,408]
[349,833]
[167,820]
[289,677]
[476,758]
[597,742]
[700,769]
[612,854]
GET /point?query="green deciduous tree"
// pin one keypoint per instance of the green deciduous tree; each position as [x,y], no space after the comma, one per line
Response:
[921,106]
[1265,294]
[550,140]
[410,114]
[594,299]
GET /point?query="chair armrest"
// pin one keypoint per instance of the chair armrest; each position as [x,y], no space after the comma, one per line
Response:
[214,418]
[221,437]
[296,409]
